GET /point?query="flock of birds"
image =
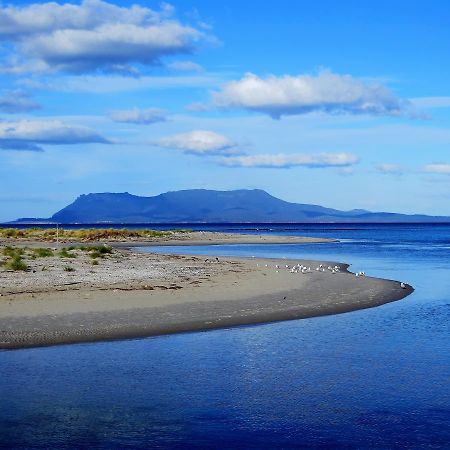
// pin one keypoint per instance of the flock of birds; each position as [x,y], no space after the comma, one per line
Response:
[300,268]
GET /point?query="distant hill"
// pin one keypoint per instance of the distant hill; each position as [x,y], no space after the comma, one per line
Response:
[207,206]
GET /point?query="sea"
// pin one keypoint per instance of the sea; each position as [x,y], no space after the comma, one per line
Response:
[372,379]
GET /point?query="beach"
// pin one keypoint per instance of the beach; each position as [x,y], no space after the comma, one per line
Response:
[130,294]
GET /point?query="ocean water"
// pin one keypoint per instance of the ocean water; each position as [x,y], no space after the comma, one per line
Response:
[377,378]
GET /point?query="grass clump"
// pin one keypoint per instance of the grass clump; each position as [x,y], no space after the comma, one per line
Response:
[16,263]
[69,269]
[13,251]
[95,262]
[102,249]
[63,253]
[42,252]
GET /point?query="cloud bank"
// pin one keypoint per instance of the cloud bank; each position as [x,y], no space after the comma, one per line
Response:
[139,116]
[31,134]
[92,36]
[291,95]
[284,161]
[200,143]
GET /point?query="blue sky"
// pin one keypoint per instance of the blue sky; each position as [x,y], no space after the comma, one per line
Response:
[342,104]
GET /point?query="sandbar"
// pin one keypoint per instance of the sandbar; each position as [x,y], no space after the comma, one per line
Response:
[131,294]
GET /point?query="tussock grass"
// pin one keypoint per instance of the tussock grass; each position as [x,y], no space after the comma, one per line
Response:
[69,269]
[13,251]
[63,253]
[42,252]
[86,234]
[16,263]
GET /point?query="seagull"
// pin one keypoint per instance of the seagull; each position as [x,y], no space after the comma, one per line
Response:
[403,285]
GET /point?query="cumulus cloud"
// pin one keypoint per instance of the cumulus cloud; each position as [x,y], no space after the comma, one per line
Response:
[31,134]
[283,161]
[392,169]
[94,35]
[327,92]
[437,168]
[139,116]
[186,66]
[15,102]
[199,142]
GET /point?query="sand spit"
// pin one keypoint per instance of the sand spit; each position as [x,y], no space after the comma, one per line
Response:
[131,294]
[177,238]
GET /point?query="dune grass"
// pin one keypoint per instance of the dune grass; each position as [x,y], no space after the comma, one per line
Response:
[16,263]
[85,234]
[42,252]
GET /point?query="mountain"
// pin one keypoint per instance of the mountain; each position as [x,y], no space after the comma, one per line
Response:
[206,206]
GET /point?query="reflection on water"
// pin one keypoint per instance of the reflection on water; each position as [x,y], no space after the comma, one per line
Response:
[376,378]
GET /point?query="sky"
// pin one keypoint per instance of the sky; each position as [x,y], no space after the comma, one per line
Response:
[341,104]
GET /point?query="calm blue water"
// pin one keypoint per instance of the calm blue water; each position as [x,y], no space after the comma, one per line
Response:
[377,378]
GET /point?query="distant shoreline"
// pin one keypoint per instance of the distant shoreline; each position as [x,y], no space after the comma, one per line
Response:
[131,294]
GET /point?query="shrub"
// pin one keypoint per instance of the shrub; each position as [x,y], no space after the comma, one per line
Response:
[69,269]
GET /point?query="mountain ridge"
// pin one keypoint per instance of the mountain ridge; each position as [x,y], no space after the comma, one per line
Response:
[212,206]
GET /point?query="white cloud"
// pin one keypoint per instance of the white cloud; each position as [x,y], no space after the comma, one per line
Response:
[15,102]
[199,142]
[139,116]
[386,168]
[186,66]
[327,92]
[31,134]
[283,161]
[437,168]
[95,35]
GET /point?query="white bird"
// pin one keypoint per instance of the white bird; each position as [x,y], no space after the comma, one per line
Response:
[277,266]
[357,274]
[403,285]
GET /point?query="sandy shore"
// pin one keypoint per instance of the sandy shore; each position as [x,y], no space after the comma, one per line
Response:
[131,294]
[191,238]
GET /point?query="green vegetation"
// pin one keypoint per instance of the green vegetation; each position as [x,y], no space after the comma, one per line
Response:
[63,253]
[42,252]
[69,269]
[13,252]
[16,263]
[85,234]
[15,255]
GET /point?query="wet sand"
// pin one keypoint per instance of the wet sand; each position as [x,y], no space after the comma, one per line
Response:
[131,295]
